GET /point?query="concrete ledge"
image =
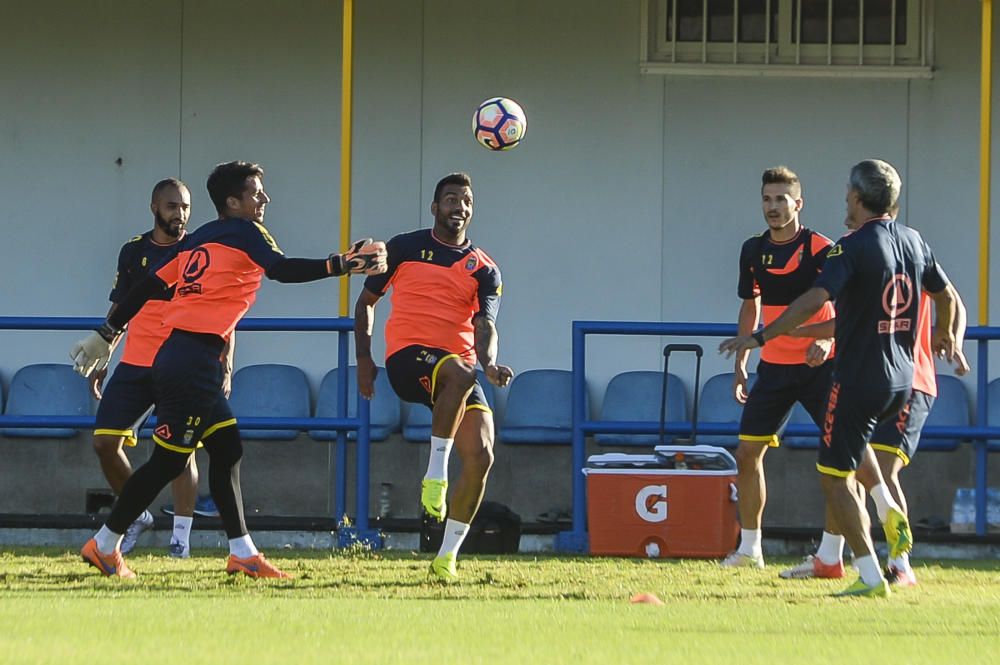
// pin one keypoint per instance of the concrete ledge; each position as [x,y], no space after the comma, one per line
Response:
[155,541]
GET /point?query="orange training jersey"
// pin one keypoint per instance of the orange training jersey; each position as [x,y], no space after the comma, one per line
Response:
[217,271]
[437,289]
[924,378]
[146,331]
[778,273]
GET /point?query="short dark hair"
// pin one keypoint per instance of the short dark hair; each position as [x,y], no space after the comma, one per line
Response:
[458,178]
[163,184]
[878,185]
[230,179]
[781,175]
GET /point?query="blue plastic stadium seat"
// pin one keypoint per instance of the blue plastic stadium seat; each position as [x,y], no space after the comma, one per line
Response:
[636,396]
[47,390]
[385,412]
[270,391]
[719,406]
[993,411]
[801,417]
[539,408]
[417,425]
[952,408]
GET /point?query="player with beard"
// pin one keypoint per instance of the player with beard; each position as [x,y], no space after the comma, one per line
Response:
[128,396]
[445,298]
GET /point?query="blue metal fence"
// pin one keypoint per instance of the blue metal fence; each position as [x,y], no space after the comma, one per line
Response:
[575,540]
[362,423]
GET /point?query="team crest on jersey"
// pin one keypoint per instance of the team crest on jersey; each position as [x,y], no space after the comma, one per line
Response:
[896,298]
[163,431]
[188,435]
[471,263]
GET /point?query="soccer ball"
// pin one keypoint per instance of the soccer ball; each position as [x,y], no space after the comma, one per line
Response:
[499,123]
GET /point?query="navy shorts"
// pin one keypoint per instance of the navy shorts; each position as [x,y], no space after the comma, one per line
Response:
[187,378]
[412,371]
[900,435]
[776,391]
[852,414]
[125,402]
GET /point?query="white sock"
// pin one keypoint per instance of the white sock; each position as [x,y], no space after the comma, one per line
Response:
[454,534]
[867,565]
[437,465]
[750,540]
[107,540]
[883,501]
[182,530]
[902,562]
[242,547]
[831,548]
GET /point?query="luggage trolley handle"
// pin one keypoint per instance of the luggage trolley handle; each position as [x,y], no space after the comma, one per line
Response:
[698,352]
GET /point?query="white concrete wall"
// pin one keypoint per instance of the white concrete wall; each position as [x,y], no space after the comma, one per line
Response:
[628,200]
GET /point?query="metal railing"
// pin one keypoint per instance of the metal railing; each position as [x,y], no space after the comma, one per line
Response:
[576,540]
[342,424]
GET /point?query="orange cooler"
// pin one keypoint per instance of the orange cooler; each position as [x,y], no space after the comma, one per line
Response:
[678,502]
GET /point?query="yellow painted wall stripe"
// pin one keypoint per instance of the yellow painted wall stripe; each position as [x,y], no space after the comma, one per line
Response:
[346,118]
[985,160]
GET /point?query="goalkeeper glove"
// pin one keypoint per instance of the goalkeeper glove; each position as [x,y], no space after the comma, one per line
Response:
[94,351]
[365,257]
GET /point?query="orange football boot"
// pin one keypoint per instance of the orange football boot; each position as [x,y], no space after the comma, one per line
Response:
[254,566]
[110,565]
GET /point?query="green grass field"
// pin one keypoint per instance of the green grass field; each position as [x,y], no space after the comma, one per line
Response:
[382,607]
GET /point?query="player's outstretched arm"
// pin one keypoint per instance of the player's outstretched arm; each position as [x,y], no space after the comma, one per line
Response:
[487,344]
[797,313]
[93,352]
[365,257]
[364,321]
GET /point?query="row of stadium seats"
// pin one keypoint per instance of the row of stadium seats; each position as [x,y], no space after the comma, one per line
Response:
[538,409]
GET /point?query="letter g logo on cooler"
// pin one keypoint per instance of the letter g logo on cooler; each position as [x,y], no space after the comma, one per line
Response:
[651,503]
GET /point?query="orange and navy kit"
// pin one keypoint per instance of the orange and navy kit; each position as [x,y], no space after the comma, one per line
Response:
[875,275]
[215,273]
[146,330]
[901,435]
[437,291]
[778,273]
[128,394]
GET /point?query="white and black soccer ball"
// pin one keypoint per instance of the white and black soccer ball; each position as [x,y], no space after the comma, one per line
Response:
[499,123]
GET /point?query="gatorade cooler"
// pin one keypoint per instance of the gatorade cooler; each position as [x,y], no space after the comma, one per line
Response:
[678,502]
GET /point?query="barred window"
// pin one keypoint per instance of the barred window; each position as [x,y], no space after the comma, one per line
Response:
[789,37]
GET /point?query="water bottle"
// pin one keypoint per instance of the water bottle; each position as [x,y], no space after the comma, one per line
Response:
[385,500]
[963,511]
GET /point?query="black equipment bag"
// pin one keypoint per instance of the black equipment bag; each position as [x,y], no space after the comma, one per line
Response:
[496,529]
